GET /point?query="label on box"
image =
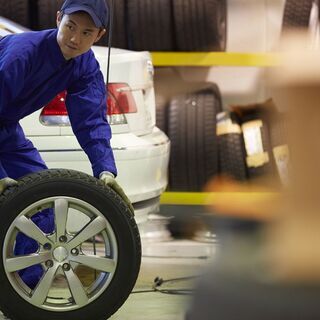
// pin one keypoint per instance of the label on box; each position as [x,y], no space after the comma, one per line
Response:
[252,137]
[257,160]
[228,128]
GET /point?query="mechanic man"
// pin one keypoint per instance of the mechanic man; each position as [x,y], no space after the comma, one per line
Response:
[34,68]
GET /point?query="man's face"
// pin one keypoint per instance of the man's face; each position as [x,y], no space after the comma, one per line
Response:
[77,33]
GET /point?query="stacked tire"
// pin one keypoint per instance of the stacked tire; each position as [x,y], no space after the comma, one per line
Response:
[200,25]
[232,159]
[17,10]
[246,143]
[177,25]
[154,25]
[192,131]
[150,25]
[297,13]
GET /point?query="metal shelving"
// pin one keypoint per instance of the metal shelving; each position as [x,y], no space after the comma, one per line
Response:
[205,198]
[208,59]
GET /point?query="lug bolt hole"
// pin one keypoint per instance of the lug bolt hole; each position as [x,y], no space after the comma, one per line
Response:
[63,239]
[66,266]
[75,252]
[47,246]
[49,264]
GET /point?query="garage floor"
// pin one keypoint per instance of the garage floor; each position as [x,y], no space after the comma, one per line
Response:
[168,260]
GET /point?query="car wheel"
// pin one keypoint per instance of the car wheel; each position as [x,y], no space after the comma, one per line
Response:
[150,25]
[81,280]
[192,131]
[17,11]
[232,154]
[200,25]
[47,13]
[297,13]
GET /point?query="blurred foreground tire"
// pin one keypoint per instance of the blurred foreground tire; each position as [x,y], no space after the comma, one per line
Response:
[200,25]
[192,131]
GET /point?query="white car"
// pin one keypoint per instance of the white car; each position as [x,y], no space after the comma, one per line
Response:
[141,150]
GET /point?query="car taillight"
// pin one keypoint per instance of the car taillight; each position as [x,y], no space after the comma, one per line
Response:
[119,103]
[55,112]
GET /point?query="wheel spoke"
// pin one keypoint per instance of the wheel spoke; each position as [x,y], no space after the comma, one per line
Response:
[41,292]
[61,207]
[78,293]
[92,229]
[19,263]
[27,227]
[97,263]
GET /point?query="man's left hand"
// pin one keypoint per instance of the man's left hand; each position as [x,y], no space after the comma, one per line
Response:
[111,182]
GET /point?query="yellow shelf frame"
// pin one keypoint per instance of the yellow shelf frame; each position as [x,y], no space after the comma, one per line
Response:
[208,59]
[205,198]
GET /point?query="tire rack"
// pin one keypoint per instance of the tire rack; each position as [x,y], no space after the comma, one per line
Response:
[208,198]
[210,59]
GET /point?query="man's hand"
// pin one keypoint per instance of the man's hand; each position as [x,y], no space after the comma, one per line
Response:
[5,183]
[111,182]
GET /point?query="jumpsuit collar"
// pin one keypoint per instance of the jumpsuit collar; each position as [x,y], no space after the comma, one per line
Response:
[55,51]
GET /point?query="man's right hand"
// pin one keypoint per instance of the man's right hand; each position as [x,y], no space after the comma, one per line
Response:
[5,183]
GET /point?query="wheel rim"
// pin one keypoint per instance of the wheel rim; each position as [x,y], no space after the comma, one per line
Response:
[67,261]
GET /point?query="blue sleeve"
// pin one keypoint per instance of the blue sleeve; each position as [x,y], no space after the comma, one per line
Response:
[12,75]
[86,104]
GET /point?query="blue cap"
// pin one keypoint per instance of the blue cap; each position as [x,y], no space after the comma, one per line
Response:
[97,9]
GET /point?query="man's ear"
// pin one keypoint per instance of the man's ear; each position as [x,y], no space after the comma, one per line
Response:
[59,18]
[101,33]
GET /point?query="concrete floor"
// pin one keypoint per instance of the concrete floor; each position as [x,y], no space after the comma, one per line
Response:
[168,260]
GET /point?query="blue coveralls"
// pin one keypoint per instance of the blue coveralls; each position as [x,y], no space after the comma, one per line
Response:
[32,72]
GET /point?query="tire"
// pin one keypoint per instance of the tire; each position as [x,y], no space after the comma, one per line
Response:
[192,131]
[107,216]
[47,13]
[162,113]
[279,144]
[119,27]
[297,13]
[150,25]
[279,130]
[200,25]
[17,11]
[214,88]
[232,153]
[119,33]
